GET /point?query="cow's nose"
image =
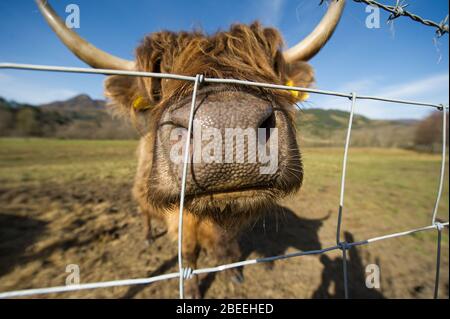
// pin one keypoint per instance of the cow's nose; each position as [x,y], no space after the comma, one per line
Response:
[227,111]
[232,127]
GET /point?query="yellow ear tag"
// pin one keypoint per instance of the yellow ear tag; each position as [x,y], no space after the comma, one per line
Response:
[140,104]
[300,96]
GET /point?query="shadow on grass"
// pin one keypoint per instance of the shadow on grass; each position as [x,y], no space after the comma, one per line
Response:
[272,236]
[17,233]
[332,275]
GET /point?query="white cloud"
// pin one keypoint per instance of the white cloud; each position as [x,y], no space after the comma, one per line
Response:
[270,12]
[361,86]
[424,87]
[17,89]
[432,89]
[4,77]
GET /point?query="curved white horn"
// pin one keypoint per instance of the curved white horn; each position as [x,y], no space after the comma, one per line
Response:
[80,47]
[311,45]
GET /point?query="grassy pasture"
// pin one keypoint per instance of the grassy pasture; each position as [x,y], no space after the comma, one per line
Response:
[67,201]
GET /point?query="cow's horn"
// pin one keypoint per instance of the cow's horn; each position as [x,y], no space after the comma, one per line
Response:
[80,47]
[308,47]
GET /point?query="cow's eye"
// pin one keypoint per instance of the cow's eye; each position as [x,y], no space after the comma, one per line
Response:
[278,63]
[156,82]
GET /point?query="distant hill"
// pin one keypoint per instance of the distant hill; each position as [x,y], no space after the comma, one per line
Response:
[318,127]
[329,119]
[78,117]
[337,119]
[84,117]
[77,103]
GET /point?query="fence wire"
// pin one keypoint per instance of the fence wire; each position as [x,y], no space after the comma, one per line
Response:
[187,273]
[399,10]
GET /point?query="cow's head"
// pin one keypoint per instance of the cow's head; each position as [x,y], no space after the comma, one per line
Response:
[244,52]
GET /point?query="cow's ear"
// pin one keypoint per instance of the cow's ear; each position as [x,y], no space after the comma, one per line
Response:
[300,74]
[123,95]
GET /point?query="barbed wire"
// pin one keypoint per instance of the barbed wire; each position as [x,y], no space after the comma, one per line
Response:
[187,273]
[398,10]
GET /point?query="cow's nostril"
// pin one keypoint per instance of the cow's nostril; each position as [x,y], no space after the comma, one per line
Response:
[267,124]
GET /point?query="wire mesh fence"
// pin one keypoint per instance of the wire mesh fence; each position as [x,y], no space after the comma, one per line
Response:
[185,273]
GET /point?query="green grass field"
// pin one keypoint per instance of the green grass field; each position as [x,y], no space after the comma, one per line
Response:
[386,177]
[388,190]
[45,160]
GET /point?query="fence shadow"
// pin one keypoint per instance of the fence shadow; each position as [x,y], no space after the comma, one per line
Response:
[332,276]
[162,269]
[276,232]
[17,233]
[272,236]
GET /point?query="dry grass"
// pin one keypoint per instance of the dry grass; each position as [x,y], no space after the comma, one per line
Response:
[64,202]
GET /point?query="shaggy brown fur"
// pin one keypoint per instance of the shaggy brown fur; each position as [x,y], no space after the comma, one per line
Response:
[244,52]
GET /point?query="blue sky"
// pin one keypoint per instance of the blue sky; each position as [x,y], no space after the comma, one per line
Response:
[400,60]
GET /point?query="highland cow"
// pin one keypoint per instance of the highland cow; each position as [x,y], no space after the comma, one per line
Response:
[221,197]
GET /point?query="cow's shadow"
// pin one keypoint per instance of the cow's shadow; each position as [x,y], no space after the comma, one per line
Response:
[332,283]
[283,229]
[274,233]
[271,235]
[17,233]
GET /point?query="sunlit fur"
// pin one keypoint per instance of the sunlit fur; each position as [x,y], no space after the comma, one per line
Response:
[244,52]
